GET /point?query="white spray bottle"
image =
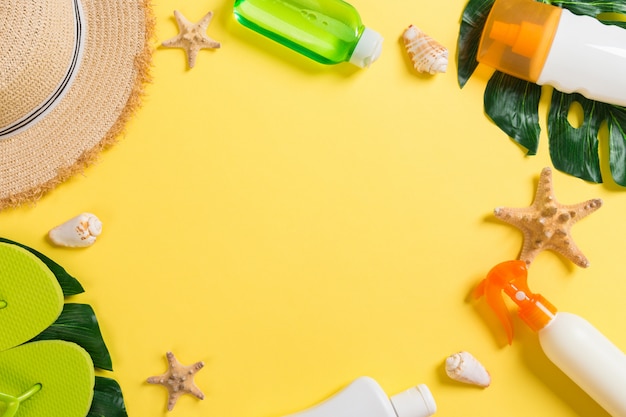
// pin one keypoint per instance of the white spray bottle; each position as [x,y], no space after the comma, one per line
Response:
[583,353]
[365,398]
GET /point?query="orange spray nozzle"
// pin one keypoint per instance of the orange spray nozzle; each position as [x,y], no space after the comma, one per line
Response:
[511,278]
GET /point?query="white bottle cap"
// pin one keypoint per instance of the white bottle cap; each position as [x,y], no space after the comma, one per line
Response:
[414,402]
[367,49]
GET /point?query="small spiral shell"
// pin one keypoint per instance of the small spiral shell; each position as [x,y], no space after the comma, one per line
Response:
[464,367]
[427,55]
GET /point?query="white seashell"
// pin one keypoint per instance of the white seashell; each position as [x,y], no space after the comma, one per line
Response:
[464,367]
[427,54]
[78,232]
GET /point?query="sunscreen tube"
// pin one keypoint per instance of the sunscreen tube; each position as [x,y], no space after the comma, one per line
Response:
[545,44]
[365,398]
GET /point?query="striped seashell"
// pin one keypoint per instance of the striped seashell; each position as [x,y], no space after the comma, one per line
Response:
[427,54]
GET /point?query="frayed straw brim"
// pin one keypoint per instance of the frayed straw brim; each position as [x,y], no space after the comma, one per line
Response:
[106,92]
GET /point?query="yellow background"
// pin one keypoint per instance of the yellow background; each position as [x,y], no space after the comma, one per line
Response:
[296,226]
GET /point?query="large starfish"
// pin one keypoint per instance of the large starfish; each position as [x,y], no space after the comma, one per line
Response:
[546,224]
[192,37]
[178,380]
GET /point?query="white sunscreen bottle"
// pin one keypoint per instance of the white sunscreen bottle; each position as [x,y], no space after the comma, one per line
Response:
[365,398]
[546,44]
[581,351]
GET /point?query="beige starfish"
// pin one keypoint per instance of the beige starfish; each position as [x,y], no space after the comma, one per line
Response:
[178,380]
[546,224]
[192,37]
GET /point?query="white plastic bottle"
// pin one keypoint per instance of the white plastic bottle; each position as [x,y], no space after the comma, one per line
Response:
[546,44]
[365,398]
[588,358]
[583,353]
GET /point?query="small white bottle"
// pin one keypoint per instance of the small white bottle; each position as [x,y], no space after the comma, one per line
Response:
[584,354]
[365,398]
[546,44]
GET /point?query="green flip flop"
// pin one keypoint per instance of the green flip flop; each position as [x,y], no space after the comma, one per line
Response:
[51,378]
[31,298]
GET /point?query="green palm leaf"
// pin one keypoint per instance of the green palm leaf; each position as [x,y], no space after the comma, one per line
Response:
[513,104]
[77,323]
[107,399]
[616,121]
[591,8]
[472,23]
[575,149]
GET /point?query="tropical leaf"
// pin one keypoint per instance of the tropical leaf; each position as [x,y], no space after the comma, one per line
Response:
[616,121]
[69,284]
[107,399]
[77,323]
[513,105]
[592,8]
[472,23]
[575,149]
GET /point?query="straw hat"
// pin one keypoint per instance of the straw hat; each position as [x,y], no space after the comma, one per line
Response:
[71,74]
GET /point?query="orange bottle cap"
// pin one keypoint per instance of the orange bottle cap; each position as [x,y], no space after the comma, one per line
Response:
[524,39]
[517,37]
[511,278]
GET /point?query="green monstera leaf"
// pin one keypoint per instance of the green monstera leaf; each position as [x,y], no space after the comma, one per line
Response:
[107,400]
[472,23]
[77,323]
[48,349]
[513,104]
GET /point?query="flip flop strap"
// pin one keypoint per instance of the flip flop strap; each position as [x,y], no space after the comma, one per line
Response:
[13,403]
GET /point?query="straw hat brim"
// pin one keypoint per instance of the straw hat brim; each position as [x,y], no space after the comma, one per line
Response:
[106,91]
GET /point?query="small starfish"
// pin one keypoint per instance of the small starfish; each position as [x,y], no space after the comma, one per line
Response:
[546,224]
[178,380]
[191,37]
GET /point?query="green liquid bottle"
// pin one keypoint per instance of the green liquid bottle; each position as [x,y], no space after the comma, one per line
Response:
[327,31]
